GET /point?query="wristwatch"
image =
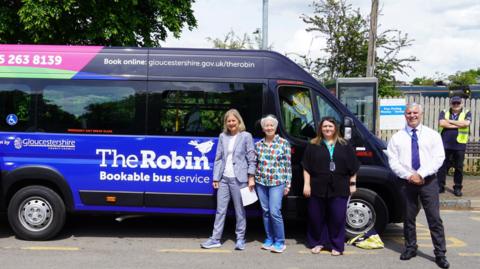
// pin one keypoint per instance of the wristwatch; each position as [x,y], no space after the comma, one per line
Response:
[353,183]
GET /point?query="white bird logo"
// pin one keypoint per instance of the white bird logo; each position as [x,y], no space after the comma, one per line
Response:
[204,147]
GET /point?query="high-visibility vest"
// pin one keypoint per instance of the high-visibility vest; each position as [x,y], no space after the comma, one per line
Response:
[463,133]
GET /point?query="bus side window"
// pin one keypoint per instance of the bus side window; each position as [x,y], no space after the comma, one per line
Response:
[91,107]
[297,114]
[16,101]
[197,108]
[325,109]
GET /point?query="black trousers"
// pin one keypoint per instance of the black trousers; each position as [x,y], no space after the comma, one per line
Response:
[428,194]
[453,158]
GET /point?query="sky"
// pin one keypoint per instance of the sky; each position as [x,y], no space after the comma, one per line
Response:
[445,33]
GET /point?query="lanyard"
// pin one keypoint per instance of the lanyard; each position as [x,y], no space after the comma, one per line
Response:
[330,148]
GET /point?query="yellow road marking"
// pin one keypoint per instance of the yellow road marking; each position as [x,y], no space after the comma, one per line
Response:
[475,218]
[422,230]
[51,248]
[452,242]
[455,242]
[463,254]
[323,252]
[449,211]
[176,250]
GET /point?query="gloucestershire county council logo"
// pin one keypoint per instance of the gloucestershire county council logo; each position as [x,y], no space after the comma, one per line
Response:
[17,143]
[204,147]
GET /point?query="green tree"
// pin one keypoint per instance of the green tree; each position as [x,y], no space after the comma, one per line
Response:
[464,78]
[346,33]
[232,41]
[423,81]
[92,22]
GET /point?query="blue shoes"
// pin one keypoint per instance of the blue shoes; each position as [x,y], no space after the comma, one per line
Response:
[211,243]
[278,247]
[240,245]
[267,244]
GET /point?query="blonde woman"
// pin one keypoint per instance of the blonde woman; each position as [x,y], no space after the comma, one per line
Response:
[234,168]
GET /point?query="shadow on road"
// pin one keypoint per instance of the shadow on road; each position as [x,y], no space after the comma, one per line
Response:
[159,226]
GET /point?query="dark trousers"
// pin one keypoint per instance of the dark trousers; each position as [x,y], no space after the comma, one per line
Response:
[453,158]
[326,222]
[428,194]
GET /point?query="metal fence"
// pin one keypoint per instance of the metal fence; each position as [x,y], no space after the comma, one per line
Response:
[432,106]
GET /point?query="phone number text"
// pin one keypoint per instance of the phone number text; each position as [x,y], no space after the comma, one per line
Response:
[27,59]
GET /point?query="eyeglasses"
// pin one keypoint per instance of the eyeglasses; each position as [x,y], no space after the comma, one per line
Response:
[456,103]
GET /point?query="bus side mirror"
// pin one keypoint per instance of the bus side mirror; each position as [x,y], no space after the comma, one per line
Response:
[347,125]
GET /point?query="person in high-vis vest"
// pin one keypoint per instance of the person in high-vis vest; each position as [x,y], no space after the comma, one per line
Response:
[454,127]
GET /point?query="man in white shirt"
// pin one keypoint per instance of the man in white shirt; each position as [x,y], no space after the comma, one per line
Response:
[415,154]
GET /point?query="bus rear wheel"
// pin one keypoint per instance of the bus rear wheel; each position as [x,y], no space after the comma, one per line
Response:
[36,213]
[366,210]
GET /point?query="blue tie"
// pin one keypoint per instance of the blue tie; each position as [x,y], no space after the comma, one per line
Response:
[415,154]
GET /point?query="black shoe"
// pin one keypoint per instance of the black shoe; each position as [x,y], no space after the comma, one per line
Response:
[457,192]
[408,254]
[442,262]
[441,190]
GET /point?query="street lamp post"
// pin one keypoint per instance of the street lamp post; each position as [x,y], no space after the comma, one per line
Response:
[372,39]
[265,25]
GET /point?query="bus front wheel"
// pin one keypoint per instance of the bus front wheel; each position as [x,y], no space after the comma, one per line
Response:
[366,210]
[36,213]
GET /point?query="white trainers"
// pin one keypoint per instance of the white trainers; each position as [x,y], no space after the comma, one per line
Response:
[211,243]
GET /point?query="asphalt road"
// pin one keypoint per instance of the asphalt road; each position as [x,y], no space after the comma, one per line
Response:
[173,242]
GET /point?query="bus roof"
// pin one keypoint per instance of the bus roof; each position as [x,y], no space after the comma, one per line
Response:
[129,63]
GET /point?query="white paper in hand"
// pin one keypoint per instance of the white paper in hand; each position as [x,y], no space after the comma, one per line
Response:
[248,197]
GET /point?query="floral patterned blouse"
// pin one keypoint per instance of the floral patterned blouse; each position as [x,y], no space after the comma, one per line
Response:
[273,162]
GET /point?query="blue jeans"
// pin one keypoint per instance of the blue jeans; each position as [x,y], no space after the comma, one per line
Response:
[271,201]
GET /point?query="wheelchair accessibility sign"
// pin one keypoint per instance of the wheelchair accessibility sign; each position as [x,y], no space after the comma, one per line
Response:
[12,119]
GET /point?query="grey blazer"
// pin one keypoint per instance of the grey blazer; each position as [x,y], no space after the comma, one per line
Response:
[244,157]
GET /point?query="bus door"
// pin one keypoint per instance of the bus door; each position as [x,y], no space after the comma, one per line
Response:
[297,124]
[350,128]
[301,109]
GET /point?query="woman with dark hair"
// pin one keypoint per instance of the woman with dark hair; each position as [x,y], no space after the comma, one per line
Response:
[329,169]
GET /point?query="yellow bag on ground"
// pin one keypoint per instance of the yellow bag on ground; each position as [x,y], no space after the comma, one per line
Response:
[369,240]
